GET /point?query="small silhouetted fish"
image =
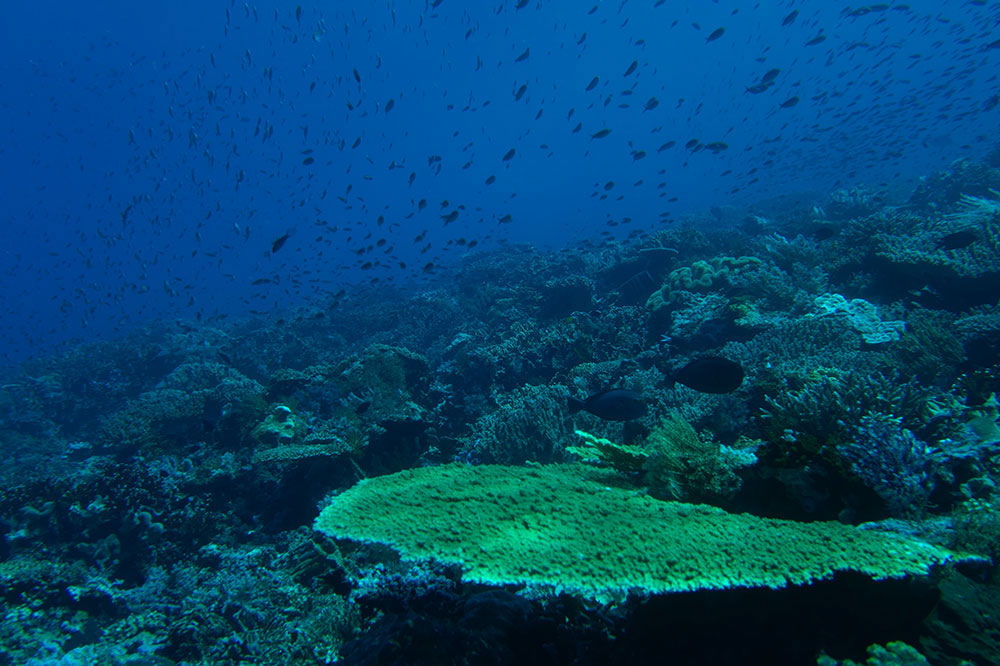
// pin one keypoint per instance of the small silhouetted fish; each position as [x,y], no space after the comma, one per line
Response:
[279,242]
[632,67]
[790,102]
[592,84]
[613,405]
[758,88]
[771,75]
[711,374]
[508,155]
[718,32]
[600,134]
[790,18]
[957,240]
[523,56]
[824,231]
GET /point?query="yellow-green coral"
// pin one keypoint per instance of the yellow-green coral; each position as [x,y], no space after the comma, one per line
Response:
[624,458]
[895,653]
[570,528]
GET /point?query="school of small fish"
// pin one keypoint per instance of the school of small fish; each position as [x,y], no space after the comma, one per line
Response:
[282,153]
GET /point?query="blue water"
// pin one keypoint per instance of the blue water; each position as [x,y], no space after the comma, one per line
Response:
[152,153]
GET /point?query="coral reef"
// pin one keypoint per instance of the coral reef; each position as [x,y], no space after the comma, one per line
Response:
[158,490]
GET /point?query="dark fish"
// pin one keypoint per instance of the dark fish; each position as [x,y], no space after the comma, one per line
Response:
[523,56]
[600,134]
[718,32]
[279,242]
[825,231]
[593,83]
[490,180]
[632,67]
[388,105]
[790,18]
[711,374]
[508,155]
[818,39]
[771,75]
[651,104]
[613,405]
[957,240]
[758,88]
[790,102]
[450,217]
[309,160]
[520,92]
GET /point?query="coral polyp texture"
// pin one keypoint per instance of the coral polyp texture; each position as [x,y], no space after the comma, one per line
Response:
[569,528]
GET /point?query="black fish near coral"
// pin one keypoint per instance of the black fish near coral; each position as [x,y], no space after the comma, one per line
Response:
[711,374]
[957,240]
[612,405]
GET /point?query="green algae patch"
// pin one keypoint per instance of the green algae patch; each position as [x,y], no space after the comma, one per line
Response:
[569,528]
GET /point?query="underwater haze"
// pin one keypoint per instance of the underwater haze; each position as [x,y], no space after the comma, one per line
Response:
[152,154]
[531,332]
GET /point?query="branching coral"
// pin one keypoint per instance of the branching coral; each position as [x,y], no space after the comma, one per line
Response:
[920,246]
[530,423]
[890,460]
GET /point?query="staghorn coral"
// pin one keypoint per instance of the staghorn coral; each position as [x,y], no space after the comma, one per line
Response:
[394,379]
[569,528]
[828,407]
[176,410]
[530,423]
[890,460]
[918,249]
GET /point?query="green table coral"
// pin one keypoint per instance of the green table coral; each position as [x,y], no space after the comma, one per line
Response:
[572,528]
